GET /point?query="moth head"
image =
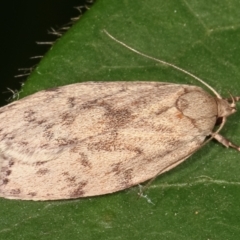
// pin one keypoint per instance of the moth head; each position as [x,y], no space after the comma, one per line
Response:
[226,108]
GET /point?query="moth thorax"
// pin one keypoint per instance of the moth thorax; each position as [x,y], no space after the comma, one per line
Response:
[197,104]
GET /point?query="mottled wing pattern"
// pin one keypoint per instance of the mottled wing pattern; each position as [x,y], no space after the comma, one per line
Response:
[95,138]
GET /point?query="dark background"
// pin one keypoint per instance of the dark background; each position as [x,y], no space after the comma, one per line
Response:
[23,23]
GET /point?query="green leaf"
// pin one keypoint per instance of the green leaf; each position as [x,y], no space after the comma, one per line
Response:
[196,200]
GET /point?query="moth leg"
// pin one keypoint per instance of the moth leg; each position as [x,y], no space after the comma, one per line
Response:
[225,142]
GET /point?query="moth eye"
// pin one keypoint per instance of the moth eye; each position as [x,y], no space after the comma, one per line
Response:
[219,121]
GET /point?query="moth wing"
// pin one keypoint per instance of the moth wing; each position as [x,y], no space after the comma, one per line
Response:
[90,139]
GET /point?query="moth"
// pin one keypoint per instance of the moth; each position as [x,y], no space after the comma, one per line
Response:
[95,138]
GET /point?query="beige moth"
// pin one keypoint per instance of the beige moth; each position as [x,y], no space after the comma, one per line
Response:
[95,138]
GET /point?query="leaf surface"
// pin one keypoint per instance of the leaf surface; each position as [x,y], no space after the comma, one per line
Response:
[198,199]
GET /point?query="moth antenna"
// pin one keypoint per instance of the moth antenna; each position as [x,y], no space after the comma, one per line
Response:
[164,63]
[191,75]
